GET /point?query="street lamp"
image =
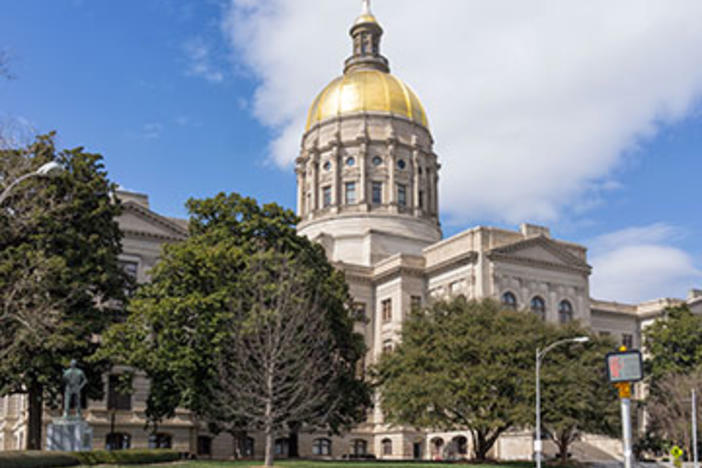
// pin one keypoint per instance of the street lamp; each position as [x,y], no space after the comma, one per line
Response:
[49,169]
[539,356]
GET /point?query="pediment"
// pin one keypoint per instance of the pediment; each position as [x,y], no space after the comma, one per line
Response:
[539,251]
[137,220]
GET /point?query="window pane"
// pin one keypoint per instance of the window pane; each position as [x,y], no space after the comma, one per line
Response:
[350,193]
[401,195]
[326,196]
[377,192]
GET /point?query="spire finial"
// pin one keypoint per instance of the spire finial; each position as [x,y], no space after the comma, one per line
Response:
[365,9]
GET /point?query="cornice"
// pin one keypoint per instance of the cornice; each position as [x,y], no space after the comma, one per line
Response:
[584,268]
[466,258]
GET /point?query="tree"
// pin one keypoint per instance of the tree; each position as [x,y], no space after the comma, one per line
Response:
[673,344]
[462,365]
[284,364]
[211,293]
[575,395]
[60,281]
[670,410]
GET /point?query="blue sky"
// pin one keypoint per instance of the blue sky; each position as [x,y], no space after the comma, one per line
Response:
[543,115]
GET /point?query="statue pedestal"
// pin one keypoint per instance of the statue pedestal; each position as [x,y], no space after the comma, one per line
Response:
[69,435]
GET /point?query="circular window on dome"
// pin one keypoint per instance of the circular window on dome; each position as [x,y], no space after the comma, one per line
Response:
[350,162]
[401,164]
[327,166]
[377,161]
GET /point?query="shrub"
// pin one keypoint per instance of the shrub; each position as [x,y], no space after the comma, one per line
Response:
[126,457]
[93,457]
[37,459]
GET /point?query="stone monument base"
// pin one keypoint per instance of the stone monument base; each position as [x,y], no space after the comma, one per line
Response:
[69,435]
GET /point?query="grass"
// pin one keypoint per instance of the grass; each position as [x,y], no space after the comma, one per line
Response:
[326,464]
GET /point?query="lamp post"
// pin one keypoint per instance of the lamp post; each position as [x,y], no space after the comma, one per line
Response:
[539,356]
[47,170]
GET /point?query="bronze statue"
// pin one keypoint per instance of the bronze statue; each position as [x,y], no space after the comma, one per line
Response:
[75,380]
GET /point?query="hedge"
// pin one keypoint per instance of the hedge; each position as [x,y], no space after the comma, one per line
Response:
[36,459]
[94,457]
[126,457]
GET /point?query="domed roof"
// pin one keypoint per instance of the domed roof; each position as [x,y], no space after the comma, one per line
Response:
[366,90]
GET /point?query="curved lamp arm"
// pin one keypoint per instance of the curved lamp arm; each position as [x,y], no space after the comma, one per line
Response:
[47,170]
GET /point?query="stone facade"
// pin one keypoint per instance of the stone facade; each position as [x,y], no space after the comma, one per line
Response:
[367,181]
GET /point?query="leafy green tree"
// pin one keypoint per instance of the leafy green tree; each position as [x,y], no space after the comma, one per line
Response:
[673,344]
[575,395]
[206,297]
[60,280]
[462,365]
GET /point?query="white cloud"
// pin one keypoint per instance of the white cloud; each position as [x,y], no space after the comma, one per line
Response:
[640,263]
[532,104]
[152,130]
[200,61]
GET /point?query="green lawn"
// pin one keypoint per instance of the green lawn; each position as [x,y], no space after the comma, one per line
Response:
[322,464]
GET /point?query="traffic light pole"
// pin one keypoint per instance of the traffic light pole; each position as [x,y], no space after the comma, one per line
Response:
[626,432]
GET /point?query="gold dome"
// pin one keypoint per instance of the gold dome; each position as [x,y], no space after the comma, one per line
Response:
[366,91]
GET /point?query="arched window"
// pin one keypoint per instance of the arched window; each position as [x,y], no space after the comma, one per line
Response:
[509,300]
[359,447]
[437,445]
[538,306]
[565,312]
[460,444]
[160,441]
[117,441]
[321,447]
[282,447]
[387,446]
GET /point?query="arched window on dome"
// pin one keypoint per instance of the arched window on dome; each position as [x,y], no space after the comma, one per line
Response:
[565,311]
[538,306]
[509,300]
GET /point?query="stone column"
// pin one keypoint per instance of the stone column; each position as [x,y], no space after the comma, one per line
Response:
[300,171]
[363,188]
[392,190]
[315,182]
[336,181]
[416,157]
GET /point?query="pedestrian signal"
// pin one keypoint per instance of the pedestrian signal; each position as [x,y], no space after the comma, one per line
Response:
[624,366]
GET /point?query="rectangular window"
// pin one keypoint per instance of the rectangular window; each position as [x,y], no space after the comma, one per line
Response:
[377,195]
[386,307]
[326,196]
[350,191]
[115,399]
[416,302]
[421,199]
[401,194]
[628,340]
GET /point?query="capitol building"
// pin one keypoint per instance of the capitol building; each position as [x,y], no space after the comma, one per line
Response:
[368,192]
